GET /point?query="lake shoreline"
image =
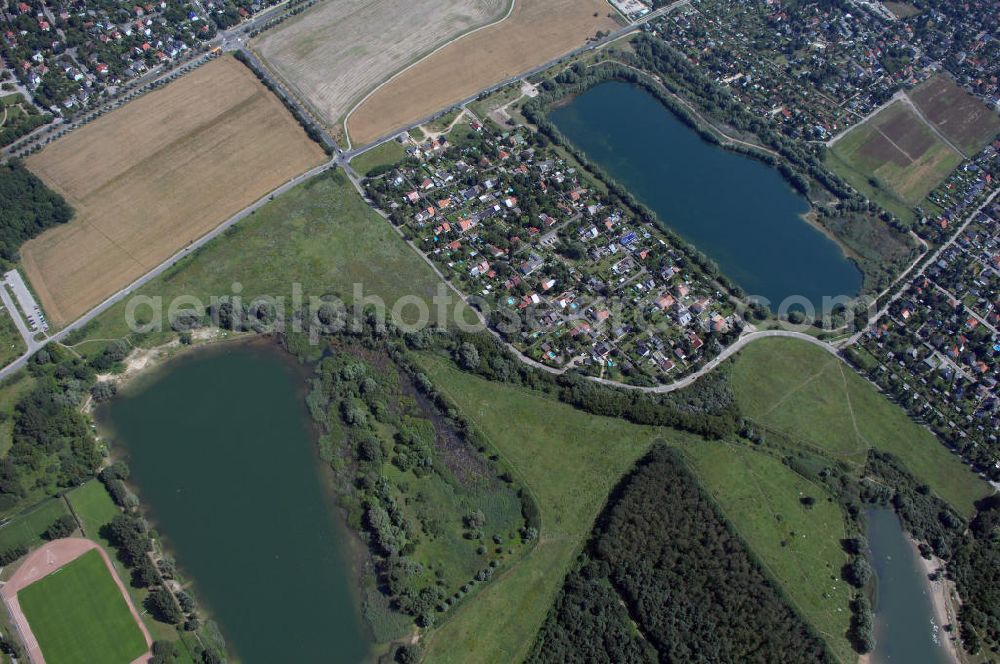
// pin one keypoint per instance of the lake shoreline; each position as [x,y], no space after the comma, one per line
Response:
[940,592]
[142,367]
[760,234]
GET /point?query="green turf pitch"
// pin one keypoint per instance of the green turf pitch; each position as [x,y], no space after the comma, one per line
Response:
[79,616]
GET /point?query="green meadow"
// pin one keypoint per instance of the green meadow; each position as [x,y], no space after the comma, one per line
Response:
[79,616]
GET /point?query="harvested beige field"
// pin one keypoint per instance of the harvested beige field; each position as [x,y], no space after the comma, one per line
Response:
[335,53]
[155,175]
[536,31]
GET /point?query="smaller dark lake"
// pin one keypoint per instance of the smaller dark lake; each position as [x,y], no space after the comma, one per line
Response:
[739,211]
[905,631]
[222,452]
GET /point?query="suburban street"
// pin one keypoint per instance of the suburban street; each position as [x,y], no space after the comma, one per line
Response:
[930,260]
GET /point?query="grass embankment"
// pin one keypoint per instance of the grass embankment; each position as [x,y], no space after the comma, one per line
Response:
[78,615]
[797,544]
[320,235]
[813,399]
[569,460]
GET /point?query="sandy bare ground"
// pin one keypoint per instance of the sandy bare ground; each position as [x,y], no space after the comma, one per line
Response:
[536,32]
[155,175]
[942,593]
[336,52]
[44,561]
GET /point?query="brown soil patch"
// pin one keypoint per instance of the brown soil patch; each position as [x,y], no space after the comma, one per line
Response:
[44,561]
[878,149]
[909,133]
[536,32]
[155,175]
[963,118]
[336,52]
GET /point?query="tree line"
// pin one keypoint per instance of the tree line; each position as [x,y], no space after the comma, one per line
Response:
[708,411]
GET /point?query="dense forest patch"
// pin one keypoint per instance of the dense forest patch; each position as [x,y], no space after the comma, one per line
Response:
[29,207]
[690,585]
[793,526]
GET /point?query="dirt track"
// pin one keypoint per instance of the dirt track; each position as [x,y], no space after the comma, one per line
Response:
[41,563]
[536,32]
[153,176]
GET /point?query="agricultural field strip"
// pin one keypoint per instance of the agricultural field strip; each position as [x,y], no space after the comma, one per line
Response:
[418,60]
[193,180]
[389,129]
[349,39]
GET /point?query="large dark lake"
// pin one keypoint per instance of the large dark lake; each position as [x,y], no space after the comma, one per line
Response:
[905,631]
[222,452]
[738,211]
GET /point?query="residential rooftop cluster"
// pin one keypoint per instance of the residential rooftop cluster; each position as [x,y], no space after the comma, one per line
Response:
[570,277]
[960,193]
[938,349]
[819,68]
[67,54]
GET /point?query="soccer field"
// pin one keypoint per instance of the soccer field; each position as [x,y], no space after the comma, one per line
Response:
[78,615]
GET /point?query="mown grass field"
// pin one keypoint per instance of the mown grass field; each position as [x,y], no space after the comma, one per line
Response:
[79,616]
[799,546]
[320,235]
[386,154]
[93,507]
[569,460]
[27,528]
[153,176]
[813,399]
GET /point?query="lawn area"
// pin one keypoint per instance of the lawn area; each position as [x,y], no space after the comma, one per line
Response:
[27,528]
[79,615]
[569,460]
[798,545]
[502,97]
[441,124]
[386,154]
[320,235]
[93,506]
[11,342]
[813,399]
[885,198]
